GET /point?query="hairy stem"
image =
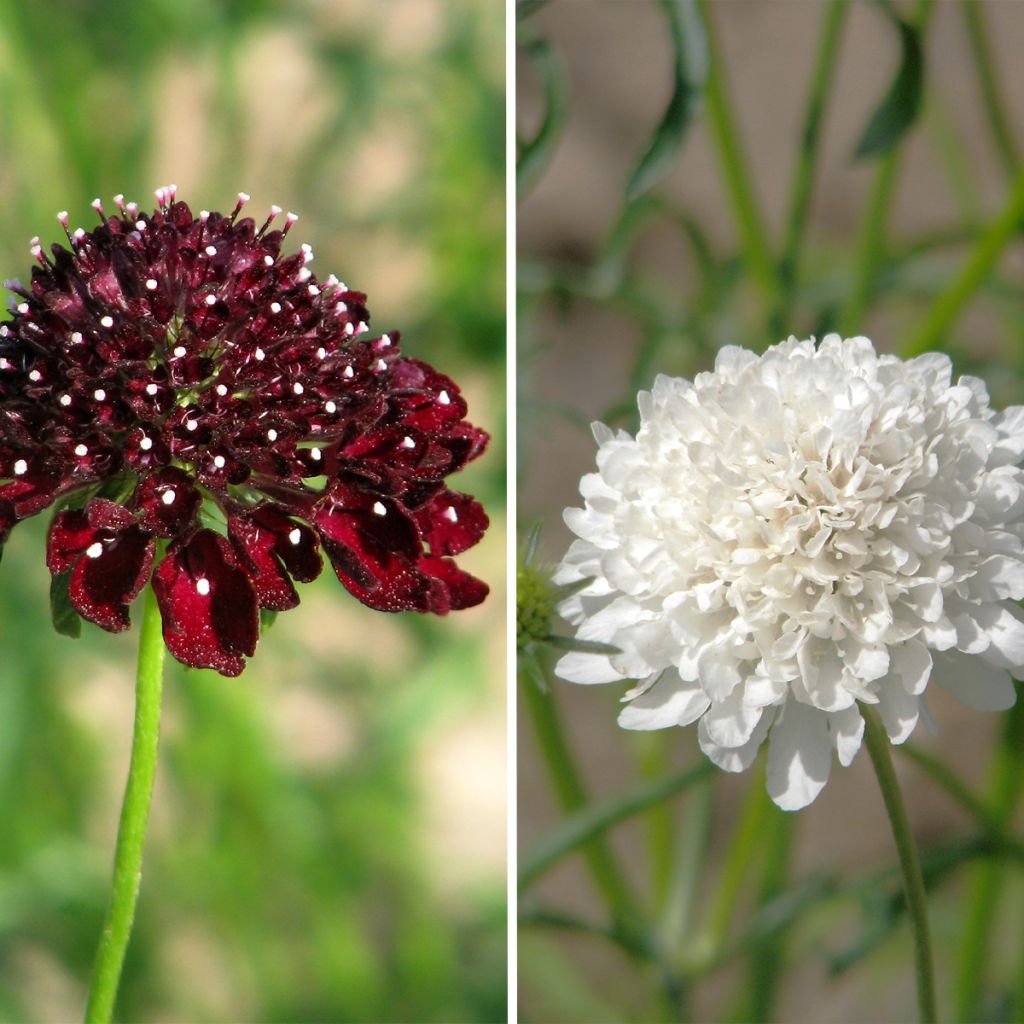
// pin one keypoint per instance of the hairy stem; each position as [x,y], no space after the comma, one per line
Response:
[131,835]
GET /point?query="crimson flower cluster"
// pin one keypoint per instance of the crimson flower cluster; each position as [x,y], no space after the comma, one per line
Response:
[206,413]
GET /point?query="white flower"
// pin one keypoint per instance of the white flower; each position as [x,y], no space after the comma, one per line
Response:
[795,533]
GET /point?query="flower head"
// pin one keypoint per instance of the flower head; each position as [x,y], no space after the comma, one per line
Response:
[793,535]
[175,378]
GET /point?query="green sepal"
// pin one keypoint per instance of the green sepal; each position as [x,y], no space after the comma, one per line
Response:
[530,667]
[65,619]
[267,618]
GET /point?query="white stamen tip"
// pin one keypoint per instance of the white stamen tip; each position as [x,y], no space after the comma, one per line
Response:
[298,388]
[271,434]
[304,274]
[291,218]
[65,400]
[204,215]
[210,250]
[20,467]
[349,372]
[81,451]
[379,508]
[107,321]
[22,307]
[179,350]
[313,290]
[211,300]
[140,225]
[146,443]
[79,234]
[151,284]
[97,204]
[381,365]
[94,550]
[244,197]
[268,261]
[444,399]
[260,355]
[222,390]
[76,338]
[349,330]
[151,389]
[315,454]
[408,442]
[203,585]
[342,307]
[451,515]
[100,395]
[385,340]
[191,424]
[275,307]
[321,353]
[168,497]
[331,408]
[62,217]
[275,210]
[219,461]
[295,536]
[35,376]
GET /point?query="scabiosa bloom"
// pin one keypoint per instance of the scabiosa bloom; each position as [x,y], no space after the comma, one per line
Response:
[176,379]
[797,533]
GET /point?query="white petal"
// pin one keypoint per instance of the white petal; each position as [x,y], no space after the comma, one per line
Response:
[912,663]
[736,759]
[898,707]
[799,756]
[974,681]
[719,672]
[580,667]
[1007,632]
[999,578]
[671,701]
[847,730]
[730,722]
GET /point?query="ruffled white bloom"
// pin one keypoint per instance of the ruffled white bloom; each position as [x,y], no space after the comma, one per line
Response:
[795,533]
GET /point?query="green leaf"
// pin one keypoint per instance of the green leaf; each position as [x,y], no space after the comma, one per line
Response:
[535,155]
[531,542]
[690,72]
[572,643]
[583,826]
[267,618]
[900,105]
[530,667]
[66,620]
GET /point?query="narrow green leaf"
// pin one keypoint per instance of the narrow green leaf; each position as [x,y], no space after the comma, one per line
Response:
[901,104]
[583,826]
[535,154]
[572,643]
[66,620]
[531,668]
[531,542]
[690,72]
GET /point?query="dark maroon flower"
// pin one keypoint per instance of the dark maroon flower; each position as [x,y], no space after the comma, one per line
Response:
[175,380]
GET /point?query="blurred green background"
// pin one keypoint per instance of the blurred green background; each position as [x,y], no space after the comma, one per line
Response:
[662,216]
[328,831]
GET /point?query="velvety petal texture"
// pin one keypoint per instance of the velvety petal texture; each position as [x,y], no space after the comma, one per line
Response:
[178,378]
[794,535]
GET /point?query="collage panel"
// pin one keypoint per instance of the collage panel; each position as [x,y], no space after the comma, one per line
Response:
[769,365]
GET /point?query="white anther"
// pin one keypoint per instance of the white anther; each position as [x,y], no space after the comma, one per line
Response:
[291,219]
[219,461]
[271,435]
[203,585]
[321,353]
[381,365]
[140,225]
[151,389]
[100,395]
[315,454]
[244,197]
[22,307]
[65,400]
[20,467]
[444,399]
[81,451]
[295,536]
[260,355]
[379,508]
[408,442]
[146,443]
[331,408]
[268,261]
[275,210]
[222,390]
[304,274]
[107,321]
[298,388]
[76,338]
[349,330]
[168,497]
[62,217]
[191,424]
[385,340]
[151,284]
[451,515]
[119,200]
[97,205]
[211,300]
[204,215]
[361,327]
[35,375]
[5,364]
[179,350]
[313,290]
[94,550]
[79,234]
[275,307]
[341,307]
[349,372]
[210,250]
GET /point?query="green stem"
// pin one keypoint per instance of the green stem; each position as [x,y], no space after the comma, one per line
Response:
[870,247]
[568,786]
[877,742]
[753,236]
[131,833]
[979,264]
[983,895]
[803,179]
[985,67]
[654,764]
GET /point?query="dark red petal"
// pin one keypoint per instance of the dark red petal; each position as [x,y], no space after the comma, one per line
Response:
[460,589]
[102,587]
[70,534]
[167,502]
[208,604]
[451,523]
[108,515]
[274,588]
[373,546]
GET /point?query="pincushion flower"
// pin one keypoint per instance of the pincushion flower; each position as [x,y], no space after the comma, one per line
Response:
[205,412]
[795,535]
